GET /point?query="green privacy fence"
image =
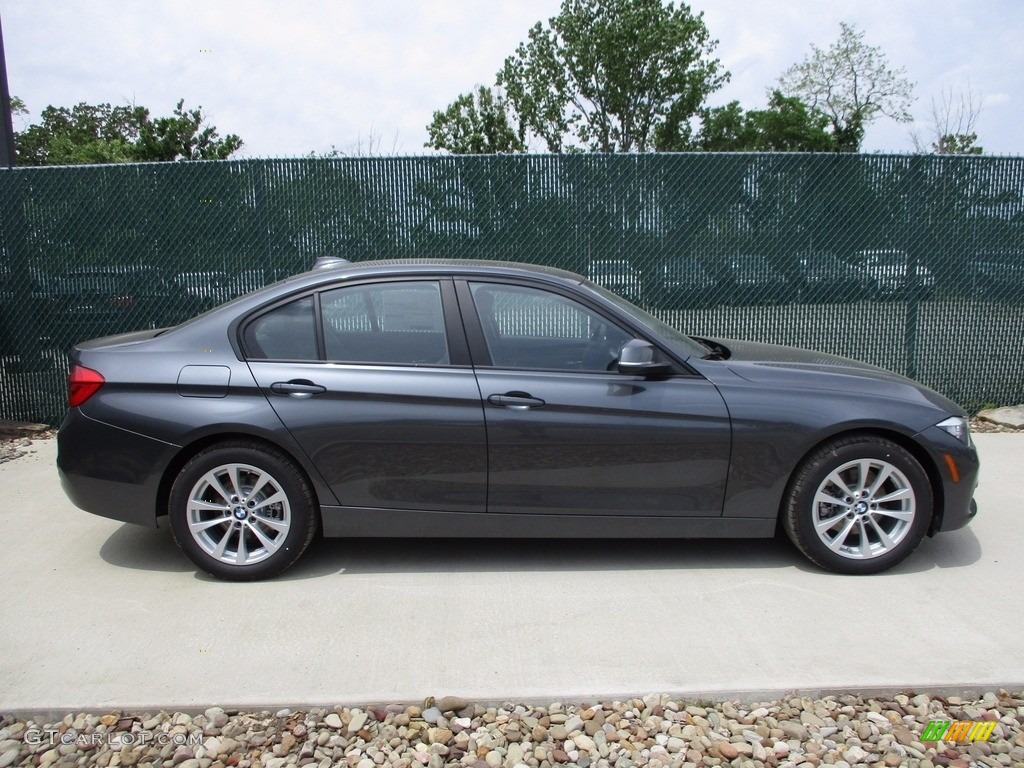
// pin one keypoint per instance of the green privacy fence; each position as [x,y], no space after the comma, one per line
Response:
[914,263]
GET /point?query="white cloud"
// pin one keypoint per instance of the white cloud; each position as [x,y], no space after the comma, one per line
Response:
[295,77]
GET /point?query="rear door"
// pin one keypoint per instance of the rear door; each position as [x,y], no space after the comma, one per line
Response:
[381,396]
[569,434]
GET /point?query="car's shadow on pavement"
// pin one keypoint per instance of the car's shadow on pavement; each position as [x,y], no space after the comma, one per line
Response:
[144,549]
[150,549]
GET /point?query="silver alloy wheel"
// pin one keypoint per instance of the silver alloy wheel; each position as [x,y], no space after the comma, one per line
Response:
[238,514]
[864,509]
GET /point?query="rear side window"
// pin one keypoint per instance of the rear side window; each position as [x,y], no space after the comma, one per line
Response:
[400,323]
[284,333]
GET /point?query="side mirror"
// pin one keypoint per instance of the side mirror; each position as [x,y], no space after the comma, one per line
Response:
[641,357]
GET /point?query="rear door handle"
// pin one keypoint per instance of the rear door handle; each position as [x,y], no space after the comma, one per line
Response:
[517,401]
[297,388]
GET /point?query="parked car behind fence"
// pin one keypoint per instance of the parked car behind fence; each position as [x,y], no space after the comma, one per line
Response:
[891,271]
[97,301]
[751,279]
[997,273]
[207,289]
[826,279]
[684,283]
[12,307]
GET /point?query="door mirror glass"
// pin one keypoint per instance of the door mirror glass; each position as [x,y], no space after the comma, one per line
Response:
[639,356]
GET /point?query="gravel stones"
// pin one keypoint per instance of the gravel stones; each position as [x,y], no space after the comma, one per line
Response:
[355,725]
[982,423]
[654,730]
[1009,416]
[9,451]
[451,704]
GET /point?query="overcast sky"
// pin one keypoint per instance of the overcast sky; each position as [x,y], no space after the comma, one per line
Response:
[306,75]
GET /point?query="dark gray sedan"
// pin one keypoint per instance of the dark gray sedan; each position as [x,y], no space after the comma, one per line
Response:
[479,399]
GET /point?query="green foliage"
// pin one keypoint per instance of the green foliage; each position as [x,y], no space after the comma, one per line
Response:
[958,144]
[613,76]
[18,106]
[475,124]
[787,125]
[951,129]
[852,83]
[725,129]
[101,133]
[84,134]
[183,136]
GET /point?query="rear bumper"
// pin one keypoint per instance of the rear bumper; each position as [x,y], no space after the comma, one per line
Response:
[109,471]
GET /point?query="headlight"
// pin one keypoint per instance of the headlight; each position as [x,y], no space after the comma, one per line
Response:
[957,427]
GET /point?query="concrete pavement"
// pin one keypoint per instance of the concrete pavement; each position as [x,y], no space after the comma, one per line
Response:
[96,615]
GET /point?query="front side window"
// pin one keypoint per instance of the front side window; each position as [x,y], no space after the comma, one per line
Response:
[532,328]
[400,323]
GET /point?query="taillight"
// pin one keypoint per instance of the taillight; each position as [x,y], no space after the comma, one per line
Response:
[82,384]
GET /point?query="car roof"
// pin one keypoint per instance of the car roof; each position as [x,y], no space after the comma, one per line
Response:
[468,267]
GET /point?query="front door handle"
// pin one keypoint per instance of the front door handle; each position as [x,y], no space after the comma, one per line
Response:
[297,388]
[517,401]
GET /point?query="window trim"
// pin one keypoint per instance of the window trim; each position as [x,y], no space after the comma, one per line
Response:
[455,334]
[480,351]
[248,320]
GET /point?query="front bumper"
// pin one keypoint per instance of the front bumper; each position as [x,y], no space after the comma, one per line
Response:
[957,466]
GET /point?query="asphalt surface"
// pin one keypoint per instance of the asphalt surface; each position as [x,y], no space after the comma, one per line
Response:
[96,615]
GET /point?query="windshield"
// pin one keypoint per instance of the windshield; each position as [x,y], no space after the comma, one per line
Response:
[678,342]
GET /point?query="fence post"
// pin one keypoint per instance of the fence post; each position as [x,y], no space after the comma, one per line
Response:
[260,196]
[911,323]
[911,282]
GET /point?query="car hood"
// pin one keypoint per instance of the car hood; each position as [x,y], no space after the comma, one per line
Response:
[794,368]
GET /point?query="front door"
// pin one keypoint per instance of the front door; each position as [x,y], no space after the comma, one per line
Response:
[566,435]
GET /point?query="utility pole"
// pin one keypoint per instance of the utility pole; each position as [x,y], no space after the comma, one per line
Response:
[7,124]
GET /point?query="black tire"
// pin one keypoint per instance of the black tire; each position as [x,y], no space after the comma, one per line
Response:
[253,534]
[876,522]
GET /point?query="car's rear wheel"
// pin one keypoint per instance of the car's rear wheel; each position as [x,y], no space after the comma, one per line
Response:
[858,504]
[242,511]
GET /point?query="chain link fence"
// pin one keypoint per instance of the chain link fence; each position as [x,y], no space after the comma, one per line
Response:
[914,263]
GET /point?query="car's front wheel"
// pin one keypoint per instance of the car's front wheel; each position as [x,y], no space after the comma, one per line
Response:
[242,511]
[858,504]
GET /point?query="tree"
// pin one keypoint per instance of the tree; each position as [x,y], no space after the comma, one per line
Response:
[18,107]
[951,129]
[612,76]
[183,136]
[787,125]
[101,133]
[852,83]
[371,145]
[476,123]
[85,133]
